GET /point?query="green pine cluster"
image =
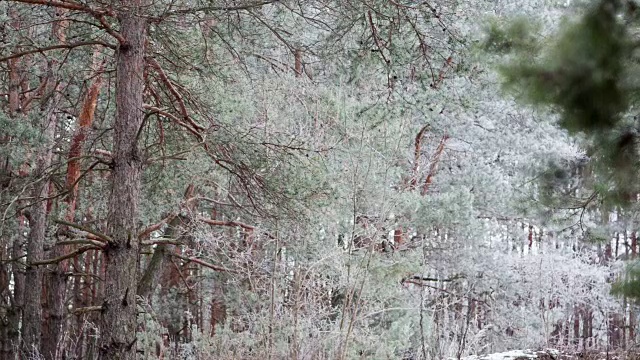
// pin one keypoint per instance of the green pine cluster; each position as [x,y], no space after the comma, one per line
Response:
[583,74]
[587,75]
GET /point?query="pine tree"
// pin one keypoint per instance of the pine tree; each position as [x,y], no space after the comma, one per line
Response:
[588,76]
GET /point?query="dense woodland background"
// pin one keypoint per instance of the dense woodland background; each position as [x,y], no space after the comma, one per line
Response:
[317,179]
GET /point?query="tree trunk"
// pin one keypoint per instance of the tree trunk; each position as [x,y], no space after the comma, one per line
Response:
[118,322]
[12,242]
[32,318]
[57,279]
[151,275]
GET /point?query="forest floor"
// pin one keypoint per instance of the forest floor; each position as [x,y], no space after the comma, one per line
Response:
[552,354]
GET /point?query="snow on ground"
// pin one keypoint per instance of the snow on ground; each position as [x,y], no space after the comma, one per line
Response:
[516,355]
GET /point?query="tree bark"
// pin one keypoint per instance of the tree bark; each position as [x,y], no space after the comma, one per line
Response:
[32,319]
[10,332]
[151,275]
[118,318]
[15,312]
[57,279]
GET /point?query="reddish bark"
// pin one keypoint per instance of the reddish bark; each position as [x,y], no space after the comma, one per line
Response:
[433,168]
[398,237]
[84,124]
[218,313]
[416,157]
[55,312]
[14,87]
[443,71]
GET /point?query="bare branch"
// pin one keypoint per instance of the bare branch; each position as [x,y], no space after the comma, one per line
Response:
[418,278]
[110,30]
[55,47]
[227,223]
[176,156]
[95,243]
[87,309]
[58,259]
[416,157]
[246,227]
[220,203]
[103,153]
[203,263]
[376,39]
[222,8]
[426,285]
[174,92]
[441,75]
[434,165]
[274,31]
[175,119]
[98,234]
[69,5]
[98,14]
[161,241]
[157,226]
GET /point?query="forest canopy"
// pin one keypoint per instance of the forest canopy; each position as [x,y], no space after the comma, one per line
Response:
[317,179]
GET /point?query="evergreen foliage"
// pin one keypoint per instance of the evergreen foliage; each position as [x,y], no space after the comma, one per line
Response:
[588,76]
[319,180]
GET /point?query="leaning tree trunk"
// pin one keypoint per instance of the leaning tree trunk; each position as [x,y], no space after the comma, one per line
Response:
[118,323]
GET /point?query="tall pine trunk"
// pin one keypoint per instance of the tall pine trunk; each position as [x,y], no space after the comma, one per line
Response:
[11,243]
[32,320]
[57,279]
[118,323]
